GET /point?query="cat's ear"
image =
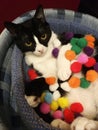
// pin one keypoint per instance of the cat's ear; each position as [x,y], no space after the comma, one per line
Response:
[39,14]
[11,27]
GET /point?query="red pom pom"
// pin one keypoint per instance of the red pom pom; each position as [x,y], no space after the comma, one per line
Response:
[76,107]
[76,67]
[32,74]
[68,115]
[91,62]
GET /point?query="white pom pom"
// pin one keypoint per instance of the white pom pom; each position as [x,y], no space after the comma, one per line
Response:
[56,95]
[65,86]
[53,87]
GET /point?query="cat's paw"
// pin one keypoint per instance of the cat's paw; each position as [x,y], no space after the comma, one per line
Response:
[64,73]
[58,123]
[33,101]
[82,123]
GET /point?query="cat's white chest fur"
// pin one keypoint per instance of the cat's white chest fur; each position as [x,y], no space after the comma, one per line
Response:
[87,97]
[46,63]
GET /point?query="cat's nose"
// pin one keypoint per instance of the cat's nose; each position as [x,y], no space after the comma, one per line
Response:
[41,51]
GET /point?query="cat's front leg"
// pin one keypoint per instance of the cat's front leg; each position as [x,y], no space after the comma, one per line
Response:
[63,64]
[82,123]
[58,123]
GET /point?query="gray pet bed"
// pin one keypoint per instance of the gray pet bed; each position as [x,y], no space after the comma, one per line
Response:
[18,113]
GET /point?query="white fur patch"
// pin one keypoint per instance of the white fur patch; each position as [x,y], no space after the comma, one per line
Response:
[63,65]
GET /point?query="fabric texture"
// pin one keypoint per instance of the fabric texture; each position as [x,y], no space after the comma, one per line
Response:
[18,114]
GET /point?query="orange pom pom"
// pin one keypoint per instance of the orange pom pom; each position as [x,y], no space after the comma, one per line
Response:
[90,38]
[90,44]
[74,82]
[70,54]
[50,80]
[91,75]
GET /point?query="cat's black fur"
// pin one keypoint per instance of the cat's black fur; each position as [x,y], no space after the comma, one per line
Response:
[24,32]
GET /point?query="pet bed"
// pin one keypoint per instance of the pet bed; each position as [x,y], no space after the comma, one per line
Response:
[18,114]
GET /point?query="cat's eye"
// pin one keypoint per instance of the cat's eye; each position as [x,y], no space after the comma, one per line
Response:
[28,44]
[43,37]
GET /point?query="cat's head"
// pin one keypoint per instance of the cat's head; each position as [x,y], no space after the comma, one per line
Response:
[32,35]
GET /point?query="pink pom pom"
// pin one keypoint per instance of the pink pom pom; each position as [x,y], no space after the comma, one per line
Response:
[45,108]
[83,58]
[58,114]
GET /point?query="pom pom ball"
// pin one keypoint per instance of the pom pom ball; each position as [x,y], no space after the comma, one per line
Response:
[54,105]
[91,62]
[76,107]
[63,102]
[68,115]
[90,44]
[74,82]
[50,80]
[74,41]
[76,48]
[70,54]
[84,83]
[57,114]
[68,35]
[42,97]
[55,52]
[76,67]
[96,67]
[32,74]
[89,38]
[88,50]
[82,42]
[45,108]
[91,75]
[48,97]
[82,58]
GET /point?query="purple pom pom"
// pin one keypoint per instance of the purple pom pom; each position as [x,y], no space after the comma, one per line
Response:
[55,52]
[68,35]
[96,67]
[88,50]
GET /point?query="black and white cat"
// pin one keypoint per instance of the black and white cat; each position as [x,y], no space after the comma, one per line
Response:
[36,40]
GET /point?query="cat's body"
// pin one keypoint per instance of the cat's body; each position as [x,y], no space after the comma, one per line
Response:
[37,41]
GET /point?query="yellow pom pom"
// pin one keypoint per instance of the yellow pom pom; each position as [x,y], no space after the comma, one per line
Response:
[42,97]
[74,82]
[70,55]
[54,105]
[91,75]
[63,102]
[50,80]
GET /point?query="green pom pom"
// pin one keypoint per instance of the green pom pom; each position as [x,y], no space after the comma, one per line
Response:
[84,83]
[74,41]
[76,48]
[82,43]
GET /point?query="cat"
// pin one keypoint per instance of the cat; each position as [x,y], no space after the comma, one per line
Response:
[36,40]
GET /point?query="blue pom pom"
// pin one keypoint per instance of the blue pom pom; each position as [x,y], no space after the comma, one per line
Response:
[48,97]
